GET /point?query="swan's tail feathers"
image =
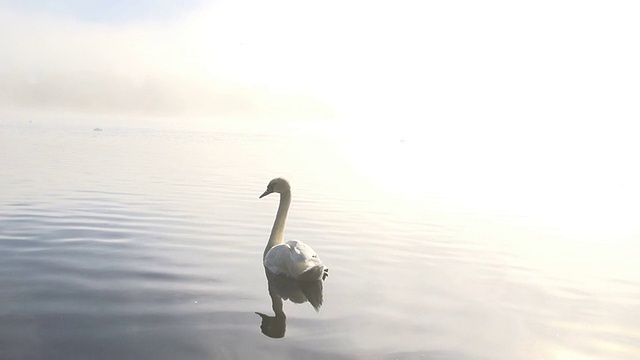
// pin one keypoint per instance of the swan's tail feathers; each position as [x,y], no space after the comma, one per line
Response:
[312,274]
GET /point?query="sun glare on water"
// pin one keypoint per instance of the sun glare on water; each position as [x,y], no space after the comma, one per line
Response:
[564,183]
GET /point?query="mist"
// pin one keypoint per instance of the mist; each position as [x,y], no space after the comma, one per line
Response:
[146,68]
[410,67]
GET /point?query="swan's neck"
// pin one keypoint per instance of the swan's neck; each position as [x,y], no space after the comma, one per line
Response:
[277,232]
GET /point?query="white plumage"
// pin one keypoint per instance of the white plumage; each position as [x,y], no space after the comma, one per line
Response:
[293,259]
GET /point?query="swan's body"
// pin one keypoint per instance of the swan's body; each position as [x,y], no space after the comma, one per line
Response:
[293,259]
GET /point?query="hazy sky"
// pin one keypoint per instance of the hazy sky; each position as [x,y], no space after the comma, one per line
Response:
[401,64]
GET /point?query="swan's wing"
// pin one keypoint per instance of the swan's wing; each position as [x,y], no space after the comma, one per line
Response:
[294,259]
[305,262]
[277,258]
[303,253]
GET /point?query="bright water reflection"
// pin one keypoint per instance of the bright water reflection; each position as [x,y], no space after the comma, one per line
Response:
[140,243]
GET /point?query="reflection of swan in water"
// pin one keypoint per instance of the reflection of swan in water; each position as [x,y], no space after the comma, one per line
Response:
[282,288]
[293,259]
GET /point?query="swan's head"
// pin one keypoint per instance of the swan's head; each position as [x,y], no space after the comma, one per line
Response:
[277,185]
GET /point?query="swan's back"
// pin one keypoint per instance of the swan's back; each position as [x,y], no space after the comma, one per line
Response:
[294,259]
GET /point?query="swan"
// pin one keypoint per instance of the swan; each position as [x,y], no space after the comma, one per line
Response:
[293,259]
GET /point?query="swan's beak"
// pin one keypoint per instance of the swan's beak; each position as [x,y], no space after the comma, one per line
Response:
[265,193]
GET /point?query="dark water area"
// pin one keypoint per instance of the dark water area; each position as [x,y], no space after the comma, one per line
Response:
[134,243]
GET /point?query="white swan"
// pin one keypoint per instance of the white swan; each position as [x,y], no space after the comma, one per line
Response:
[293,259]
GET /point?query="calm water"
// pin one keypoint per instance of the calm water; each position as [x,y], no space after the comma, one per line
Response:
[134,243]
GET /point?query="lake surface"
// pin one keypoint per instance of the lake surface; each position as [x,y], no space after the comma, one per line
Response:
[137,243]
